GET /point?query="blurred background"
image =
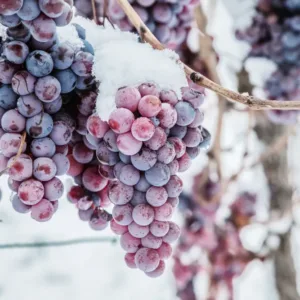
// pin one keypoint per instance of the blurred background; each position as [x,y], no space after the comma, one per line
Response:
[239,211]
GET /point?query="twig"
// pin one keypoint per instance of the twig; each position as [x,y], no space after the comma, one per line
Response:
[58,243]
[94,12]
[252,102]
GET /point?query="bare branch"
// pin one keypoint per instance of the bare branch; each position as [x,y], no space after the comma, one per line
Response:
[252,102]
[58,243]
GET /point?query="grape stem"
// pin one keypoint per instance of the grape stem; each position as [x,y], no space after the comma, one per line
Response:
[252,102]
[58,243]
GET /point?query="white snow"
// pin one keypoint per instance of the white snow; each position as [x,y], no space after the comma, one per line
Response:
[120,60]
[253,236]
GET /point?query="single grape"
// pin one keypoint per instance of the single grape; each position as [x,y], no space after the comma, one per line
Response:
[61,133]
[9,7]
[10,144]
[130,243]
[13,184]
[159,229]
[44,168]
[54,189]
[122,214]
[20,167]
[185,113]
[158,175]
[199,117]
[138,198]
[75,167]
[138,231]
[23,83]
[47,89]
[31,191]
[184,162]
[193,137]
[144,159]
[92,180]
[53,106]
[82,154]
[8,98]
[156,196]
[19,33]
[195,98]
[128,97]
[13,121]
[52,8]
[129,175]
[173,233]
[110,139]
[168,115]
[179,146]
[166,153]
[39,63]
[128,145]
[149,89]
[117,228]
[96,126]
[164,212]
[29,105]
[29,11]
[149,106]
[66,16]
[75,194]
[121,120]
[67,80]
[162,12]
[106,156]
[42,211]
[143,214]
[164,251]
[129,259]
[142,129]
[85,215]
[151,241]
[43,147]
[19,206]
[7,71]
[119,193]
[87,102]
[16,52]
[168,96]
[158,271]
[39,125]
[146,259]
[83,64]
[158,139]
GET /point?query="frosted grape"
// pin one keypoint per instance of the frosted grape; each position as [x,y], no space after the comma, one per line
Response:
[143,214]
[13,121]
[168,115]
[142,129]
[117,228]
[129,175]
[42,211]
[149,106]
[42,147]
[96,126]
[138,198]
[47,88]
[120,120]
[54,189]
[61,133]
[159,228]
[158,139]
[75,167]
[39,63]
[158,175]
[185,113]
[138,231]
[179,145]
[53,106]
[20,168]
[173,233]
[164,212]
[119,193]
[8,98]
[31,191]
[19,206]
[122,214]
[144,159]
[16,52]
[52,8]
[82,154]
[129,243]
[44,168]
[129,259]
[30,10]
[193,137]
[23,83]
[10,144]
[166,153]
[128,97]
[175,186]
[67,80]
[92,180]
[83,64]
[143,184]
[128,145]
[158,271]
[156,196]
[146,259]
[39,125]
[29,105]
[149,89]
[106,156]
[151,241]
[164,251]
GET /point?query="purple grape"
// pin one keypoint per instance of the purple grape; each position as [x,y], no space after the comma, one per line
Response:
[53,106]
[29,11]
[67,80]
[39,63]
[13,121]
[144,159]
[7,70]
[23,83]
[8,99]
[47,89]
[185,113]
[39,125]
[61,133]
[83,63]
[158,175]
[62,55]
[29,105]
[129,175]
[10,21]
[43,147]
[44,168]
[16,52]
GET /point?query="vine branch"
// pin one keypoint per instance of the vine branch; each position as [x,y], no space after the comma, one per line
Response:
[58,243]
[252,102]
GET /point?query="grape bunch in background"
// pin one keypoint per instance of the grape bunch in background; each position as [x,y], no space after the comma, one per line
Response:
[275,34]
[170,21]
[40,77]
[221,254]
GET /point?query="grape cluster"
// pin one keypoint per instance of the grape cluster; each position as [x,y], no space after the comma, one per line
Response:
[226,256]
[39,76]
[275,34]
[169,20]
[149,137]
